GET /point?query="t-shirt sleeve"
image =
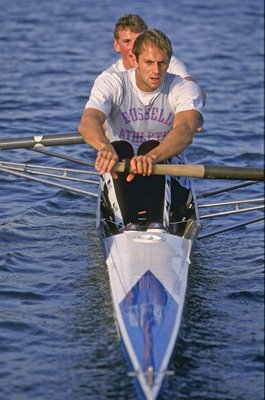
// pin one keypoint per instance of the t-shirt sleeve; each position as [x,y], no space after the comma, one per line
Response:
[105,94]
[185,96]
[177,67]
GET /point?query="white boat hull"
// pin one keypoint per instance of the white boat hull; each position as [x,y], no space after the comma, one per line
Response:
[148,272]
[148,277]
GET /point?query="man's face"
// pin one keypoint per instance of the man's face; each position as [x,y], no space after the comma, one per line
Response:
[151,68]
[124,45]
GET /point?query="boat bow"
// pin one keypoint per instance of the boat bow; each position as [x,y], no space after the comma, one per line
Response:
[148,276]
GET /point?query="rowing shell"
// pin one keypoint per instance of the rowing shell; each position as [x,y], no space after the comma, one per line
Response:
[148,272]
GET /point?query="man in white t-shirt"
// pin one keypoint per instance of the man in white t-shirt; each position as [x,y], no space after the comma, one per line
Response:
[142,105]
[127,29]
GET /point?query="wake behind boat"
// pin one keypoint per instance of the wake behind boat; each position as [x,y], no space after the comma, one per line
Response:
[148,270]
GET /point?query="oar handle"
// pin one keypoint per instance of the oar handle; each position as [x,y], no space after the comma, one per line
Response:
[203,171]
[195,171]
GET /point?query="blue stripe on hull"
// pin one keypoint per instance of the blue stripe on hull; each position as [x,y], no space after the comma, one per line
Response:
[149,313]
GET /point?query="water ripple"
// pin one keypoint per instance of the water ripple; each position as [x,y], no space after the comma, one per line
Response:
[56,320]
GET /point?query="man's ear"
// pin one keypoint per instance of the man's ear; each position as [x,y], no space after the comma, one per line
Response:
[116,46]
[134,61]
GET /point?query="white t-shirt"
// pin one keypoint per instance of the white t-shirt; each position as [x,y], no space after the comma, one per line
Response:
[138,116]
[126,107]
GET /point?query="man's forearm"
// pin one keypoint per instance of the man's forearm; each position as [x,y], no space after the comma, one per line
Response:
[92,131]
[174,143]
[180,136]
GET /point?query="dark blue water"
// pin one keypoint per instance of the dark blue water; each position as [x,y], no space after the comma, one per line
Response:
[57,334]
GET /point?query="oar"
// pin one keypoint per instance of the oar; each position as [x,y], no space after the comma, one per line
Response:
[41,140]
[193,171]
[226,189]
[62,156]
[203,171]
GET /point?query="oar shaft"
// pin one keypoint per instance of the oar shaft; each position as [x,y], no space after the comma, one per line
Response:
[203,171]
[40,140]
[237,173]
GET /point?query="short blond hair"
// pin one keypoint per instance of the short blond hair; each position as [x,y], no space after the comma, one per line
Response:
[155,37]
